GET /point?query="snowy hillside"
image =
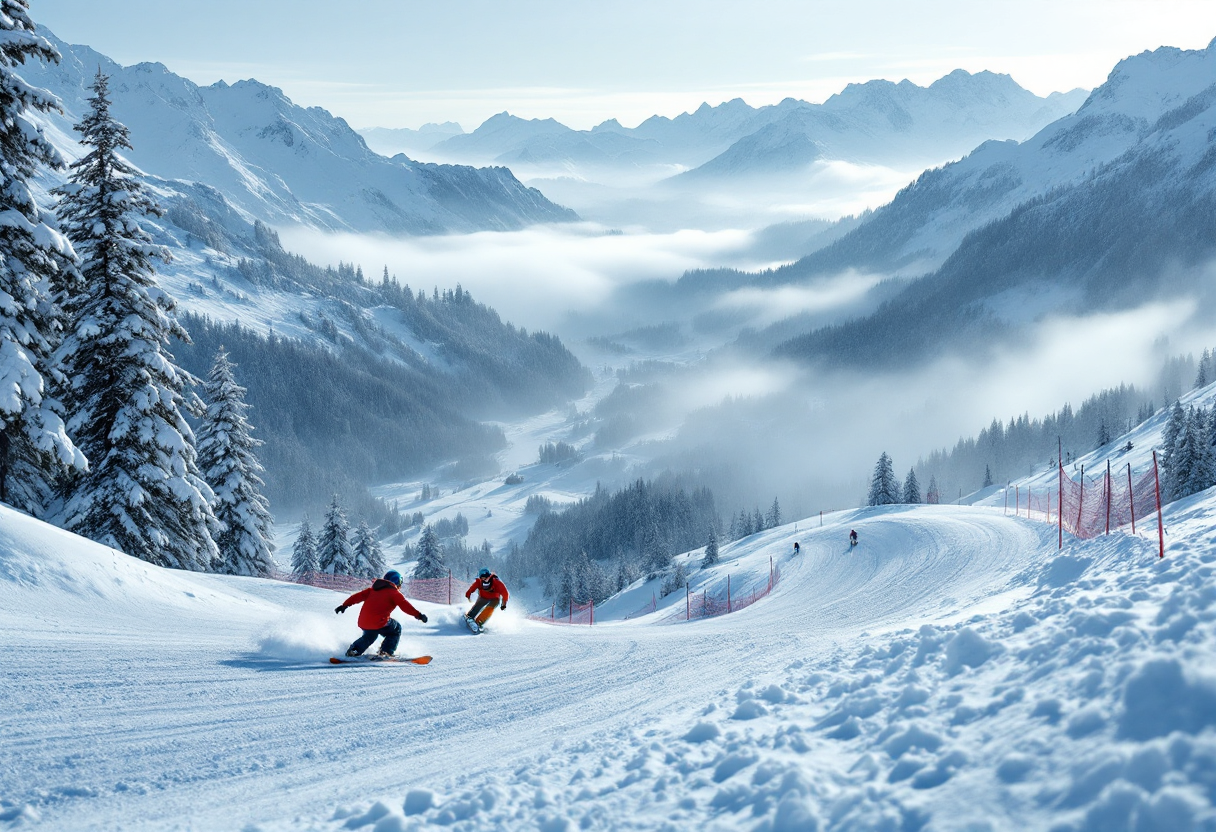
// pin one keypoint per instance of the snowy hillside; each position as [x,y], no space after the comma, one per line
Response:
[279,162]
[953,672]
[929,219]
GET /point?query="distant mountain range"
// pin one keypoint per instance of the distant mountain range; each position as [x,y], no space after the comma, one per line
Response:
[1102,209]
[876,122]
[277,162]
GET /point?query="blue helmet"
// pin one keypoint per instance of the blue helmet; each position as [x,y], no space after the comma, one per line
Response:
[484,573]
[393,576]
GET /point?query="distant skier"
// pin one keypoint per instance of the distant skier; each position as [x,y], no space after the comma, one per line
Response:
[379,600]
[852,537]
[490,592]
[796,548]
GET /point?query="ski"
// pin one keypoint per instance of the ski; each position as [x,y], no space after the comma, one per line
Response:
[473,626]
[378,659]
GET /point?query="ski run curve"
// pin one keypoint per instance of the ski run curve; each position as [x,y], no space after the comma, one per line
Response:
[953,672]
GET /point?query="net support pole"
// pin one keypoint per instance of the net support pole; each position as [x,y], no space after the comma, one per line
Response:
[1080,501]
[1160,523]
[1108,496]
[1017,501]
[1060,507]
[591,621]
[449,586]
[1028,493]
[687,603]
[728,609]
[1131,497]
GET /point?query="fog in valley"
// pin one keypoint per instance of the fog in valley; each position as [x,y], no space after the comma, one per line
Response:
[700,392]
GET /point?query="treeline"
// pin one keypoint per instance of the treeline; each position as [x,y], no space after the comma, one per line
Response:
[490,364]
[336,420]
[1024,446]
[604,542]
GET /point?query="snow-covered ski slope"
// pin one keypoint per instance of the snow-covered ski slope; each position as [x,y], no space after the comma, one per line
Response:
[954,672]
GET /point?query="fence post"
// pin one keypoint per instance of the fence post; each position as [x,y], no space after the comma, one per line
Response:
[687,603]
[1160,525]
[728,609]
[449,586]
[1108,496]
[1060,507]
[570,620]
[1028,492]
[1080,500]
[1006,489]
[591,623]
[770,572]
[1131,497]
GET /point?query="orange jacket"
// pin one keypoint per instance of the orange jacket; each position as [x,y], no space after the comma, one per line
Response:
[381,598]
[495,589]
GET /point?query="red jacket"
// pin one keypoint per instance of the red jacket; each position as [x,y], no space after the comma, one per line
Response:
[495,589]
[379,600]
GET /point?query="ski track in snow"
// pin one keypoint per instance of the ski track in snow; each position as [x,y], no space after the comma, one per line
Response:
[952,672]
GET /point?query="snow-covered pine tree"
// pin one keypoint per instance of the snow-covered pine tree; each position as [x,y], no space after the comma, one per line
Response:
[1204,374]
[144,493]
[333,548]
[987,476]
[932,495]
[230,466]
[884,488]
[304,553]
[1103,433]
[369,558]
[758,520]
[711,549]
[430,555]
[36,268]
[773,519]
[1169,446]
[911,487]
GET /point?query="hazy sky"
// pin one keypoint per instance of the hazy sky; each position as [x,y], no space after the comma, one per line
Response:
[401,63]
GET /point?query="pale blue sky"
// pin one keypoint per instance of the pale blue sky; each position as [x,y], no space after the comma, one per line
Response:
[400,63]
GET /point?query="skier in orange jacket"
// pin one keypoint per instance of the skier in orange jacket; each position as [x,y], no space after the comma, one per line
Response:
[379,600]
[490,592]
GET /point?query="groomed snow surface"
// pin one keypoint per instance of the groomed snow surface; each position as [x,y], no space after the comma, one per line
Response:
[954,672]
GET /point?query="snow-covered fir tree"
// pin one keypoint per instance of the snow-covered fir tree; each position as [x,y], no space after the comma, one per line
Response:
[1169,447]
[369,558]
[884,488]
[333,547]
[304,552]
[226,456]
[36,269]
[773,519]
[1204,373]
[987,476]
[911,487]
[144,493]
[1103,434]
[711,549]
[430,555]
[932,495]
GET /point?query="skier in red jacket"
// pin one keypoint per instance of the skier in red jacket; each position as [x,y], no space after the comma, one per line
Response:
[490,592]
[379,600]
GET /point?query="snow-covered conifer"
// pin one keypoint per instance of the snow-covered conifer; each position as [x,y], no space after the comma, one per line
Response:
[230,466]
[884,488]
[987,476]
[304,553]
[333,547]
[773,519]
[35,269]
[1169,446]
[932,495]
[430,555]
[369,558]
[145,494]
[1103,433]
[711,549]
[911,487]
[1204,374]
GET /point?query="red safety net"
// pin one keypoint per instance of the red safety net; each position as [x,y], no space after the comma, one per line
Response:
[704,605]
[1094,505]
[570,614]
[435,590]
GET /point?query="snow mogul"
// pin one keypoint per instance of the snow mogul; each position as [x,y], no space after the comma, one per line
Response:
[491,592]
[379,600]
